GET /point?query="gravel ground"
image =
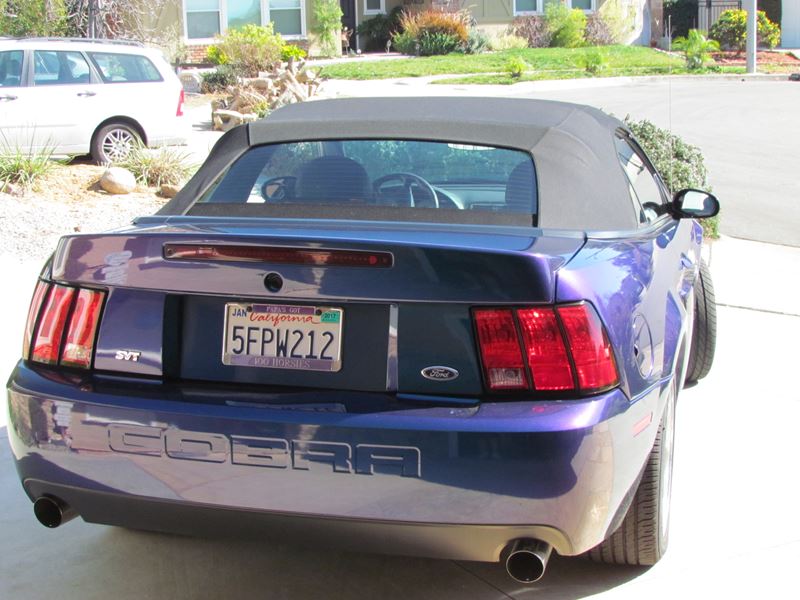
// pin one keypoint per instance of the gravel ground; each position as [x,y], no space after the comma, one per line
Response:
[68,201]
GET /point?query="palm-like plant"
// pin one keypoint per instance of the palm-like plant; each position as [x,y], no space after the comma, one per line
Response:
[696,48]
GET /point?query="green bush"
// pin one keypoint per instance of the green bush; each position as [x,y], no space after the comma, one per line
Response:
[378,30]
[156,167]
[222,77]
[592,61]
[216,56]
[681,165]
[477,42]
[516,66]
[248,50]
[290,51]
[533,29]
[327,25]
[567,27]
[405,43]
[23,168]
[33,18]
[432,31]
[696,48]
[731,30]
[683,15]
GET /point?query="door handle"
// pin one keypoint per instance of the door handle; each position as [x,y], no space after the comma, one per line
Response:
[87,94]
[8,97]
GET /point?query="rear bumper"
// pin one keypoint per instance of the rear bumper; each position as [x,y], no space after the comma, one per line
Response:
[449,482]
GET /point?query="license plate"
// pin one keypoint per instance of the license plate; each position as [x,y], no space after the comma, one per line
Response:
[277,336]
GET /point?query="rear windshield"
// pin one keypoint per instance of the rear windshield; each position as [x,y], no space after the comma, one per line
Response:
[395,180]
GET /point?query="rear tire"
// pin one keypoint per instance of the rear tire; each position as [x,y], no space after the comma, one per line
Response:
[113,142]
[704,335]
[642,537]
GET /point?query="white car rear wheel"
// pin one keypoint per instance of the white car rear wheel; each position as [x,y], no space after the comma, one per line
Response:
[114,142]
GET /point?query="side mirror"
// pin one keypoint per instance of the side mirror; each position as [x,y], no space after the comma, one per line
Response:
[694,204]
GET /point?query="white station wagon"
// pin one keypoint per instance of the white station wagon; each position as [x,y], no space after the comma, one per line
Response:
[93,97]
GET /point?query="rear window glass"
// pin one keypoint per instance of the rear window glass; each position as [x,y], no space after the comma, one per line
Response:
[125,68]
[403,180]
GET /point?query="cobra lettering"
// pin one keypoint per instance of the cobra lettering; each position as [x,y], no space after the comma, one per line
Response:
[265,452]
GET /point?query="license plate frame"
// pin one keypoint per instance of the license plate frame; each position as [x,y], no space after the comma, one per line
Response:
[318,352]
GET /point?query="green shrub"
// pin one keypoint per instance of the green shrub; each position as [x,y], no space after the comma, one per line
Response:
[327,25]
[432,31]
[217,80]
[290,51]
[683,15]
[405,43]
[731,30]
[681,165]
[24,168]
[508,41]
[696,48]
[567,27]
[477,42]
[33,18]
[216,56]
[533,29]
[592,61]
[516,66]
[378,30]
[156,167]
[250,49]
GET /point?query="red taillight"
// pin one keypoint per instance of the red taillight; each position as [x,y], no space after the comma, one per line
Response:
[181,100]
[279,255]
[66,326]
[591,350]
[544,344]
[33,314]
[50,332]
[560,349]
[79,345]
[501,355]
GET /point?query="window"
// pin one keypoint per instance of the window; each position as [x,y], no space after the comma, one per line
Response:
[394,180]
[374,7]
[207,18]
[644,188]
[124,68]
[60,68]
[10,68]
[536,7]
[287,17]
[202,18]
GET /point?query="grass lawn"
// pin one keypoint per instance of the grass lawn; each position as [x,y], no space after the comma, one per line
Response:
[505,79]
[619,60]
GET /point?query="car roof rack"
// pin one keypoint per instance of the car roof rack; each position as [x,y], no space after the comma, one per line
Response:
[119,42]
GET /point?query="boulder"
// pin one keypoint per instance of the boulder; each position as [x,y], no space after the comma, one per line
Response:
[168,190]
[117,180]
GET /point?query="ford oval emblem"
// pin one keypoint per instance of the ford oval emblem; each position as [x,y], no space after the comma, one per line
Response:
[439,373]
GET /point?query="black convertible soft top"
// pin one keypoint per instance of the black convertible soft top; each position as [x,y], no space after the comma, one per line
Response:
[581,182]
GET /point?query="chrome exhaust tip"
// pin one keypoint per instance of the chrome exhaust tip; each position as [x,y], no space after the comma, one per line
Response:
[526,559]
[52,512]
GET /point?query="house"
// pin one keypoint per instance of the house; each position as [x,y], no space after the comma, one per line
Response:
[201,20]
[790,24]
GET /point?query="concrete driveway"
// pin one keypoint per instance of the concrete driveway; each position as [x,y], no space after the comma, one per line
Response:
[735,531]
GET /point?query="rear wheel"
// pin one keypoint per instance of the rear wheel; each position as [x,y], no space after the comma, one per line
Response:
[704,335]
[113,142]
[642,537]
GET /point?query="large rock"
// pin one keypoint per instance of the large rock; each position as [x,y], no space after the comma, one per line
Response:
[117,180]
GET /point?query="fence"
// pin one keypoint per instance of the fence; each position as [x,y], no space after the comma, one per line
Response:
[708,11]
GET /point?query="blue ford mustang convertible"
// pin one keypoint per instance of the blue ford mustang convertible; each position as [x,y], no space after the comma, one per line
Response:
[444,327]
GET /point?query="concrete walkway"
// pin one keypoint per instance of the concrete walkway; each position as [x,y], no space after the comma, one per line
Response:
[734,528]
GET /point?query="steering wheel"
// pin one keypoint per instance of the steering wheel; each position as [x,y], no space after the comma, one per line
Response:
[409,180]
[282,188]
